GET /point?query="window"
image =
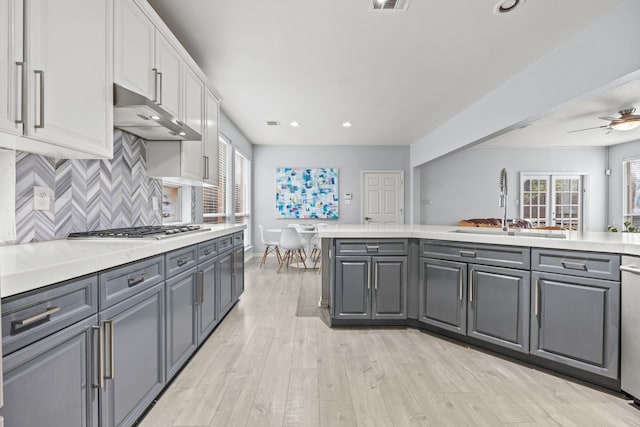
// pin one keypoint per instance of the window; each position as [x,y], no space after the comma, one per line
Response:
[552,200]
[241,188]
[631,198]
[215,197]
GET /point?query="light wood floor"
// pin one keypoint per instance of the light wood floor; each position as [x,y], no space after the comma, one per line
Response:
[275,362]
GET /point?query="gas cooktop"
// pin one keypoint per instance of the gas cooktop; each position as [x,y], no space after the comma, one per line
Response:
[144,232]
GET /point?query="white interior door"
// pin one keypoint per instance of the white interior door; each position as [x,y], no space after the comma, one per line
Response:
[383,197]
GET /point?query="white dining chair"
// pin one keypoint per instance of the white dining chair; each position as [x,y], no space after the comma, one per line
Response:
[270,247]
[290,241]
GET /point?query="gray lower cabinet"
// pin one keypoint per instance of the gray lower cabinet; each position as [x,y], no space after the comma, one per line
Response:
[181,321]
[134,356]
[443,293]
[498,306]
[371,287]
[207,311]
[226,268]
[575,321]
[50,382]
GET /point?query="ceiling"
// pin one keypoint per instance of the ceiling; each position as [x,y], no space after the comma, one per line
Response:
[395,75]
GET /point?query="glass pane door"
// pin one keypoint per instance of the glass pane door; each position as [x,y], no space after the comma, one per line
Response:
[567,202]
[534,206]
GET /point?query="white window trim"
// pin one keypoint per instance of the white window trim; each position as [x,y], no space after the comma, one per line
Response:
[625,185]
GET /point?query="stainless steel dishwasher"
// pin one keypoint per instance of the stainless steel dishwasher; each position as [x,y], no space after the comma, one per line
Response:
[630,327]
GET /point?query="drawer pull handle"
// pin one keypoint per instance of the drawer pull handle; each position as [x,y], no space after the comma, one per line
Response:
[132,281]
[468,254]
[100,384]
[372,248]
[630,269]
[574,265]
[207,252]
[182,261]
[36,317]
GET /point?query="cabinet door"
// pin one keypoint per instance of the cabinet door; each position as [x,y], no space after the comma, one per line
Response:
[443,290]
[70,100]
[169,80]
[238,272]
[11,65]
[575,321]
[498,306]
[207,308]
[180,315]
[225,283]
[210,139]
[50,382]
[389,288]
[133,54]
[135,356]
[193,99]
[353,288]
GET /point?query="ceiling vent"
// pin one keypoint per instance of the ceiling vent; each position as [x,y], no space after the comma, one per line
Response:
[272,123]
[389,5]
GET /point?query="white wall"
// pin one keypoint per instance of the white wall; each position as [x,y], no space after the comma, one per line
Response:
[350,160]
[617,154]
[464,184]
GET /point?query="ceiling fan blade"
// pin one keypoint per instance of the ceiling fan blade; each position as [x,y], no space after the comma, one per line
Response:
[580,130]
[609,118]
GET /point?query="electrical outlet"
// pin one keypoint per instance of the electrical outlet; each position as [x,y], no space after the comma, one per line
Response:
[41,198]
[154,203]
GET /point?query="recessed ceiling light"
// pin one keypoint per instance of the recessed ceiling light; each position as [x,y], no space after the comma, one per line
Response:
[505,6]
[294,124]
[182,133]
[346,124]
[155,117]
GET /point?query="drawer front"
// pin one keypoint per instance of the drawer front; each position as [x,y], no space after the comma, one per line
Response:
[498,255]
[575,263]
[180,260]
[207,250]
[225,243]
[119,283]
[238,239]
[34,315]
[372,247]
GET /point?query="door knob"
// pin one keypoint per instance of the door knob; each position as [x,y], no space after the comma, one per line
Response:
[366,218]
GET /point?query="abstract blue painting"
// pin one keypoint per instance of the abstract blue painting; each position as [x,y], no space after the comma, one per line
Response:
[307,193]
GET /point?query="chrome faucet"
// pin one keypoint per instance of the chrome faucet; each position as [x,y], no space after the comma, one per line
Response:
[503,197]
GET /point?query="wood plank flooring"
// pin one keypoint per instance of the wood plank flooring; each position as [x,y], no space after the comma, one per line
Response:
[275,362]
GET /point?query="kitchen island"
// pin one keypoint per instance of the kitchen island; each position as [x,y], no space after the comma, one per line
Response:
[549,298]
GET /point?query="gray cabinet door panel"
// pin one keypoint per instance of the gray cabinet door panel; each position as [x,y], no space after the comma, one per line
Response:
[576,322]
[498,307]
[353,283]
[389,288]
[180,320]
[207,309]
[225,282]
[139,356]
[238,272]
[575,263]
[443,287]
[49,383]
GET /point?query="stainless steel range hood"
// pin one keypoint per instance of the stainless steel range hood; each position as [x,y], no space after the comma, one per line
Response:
[142,117]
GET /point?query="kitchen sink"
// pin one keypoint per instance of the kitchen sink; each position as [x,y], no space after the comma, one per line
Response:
[549,234]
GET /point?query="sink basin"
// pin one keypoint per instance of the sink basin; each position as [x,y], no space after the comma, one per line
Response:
[516,232]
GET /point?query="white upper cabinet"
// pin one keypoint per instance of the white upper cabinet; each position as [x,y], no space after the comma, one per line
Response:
[169,76]
[133,60]
[59,94]
[210,139]
[11,66]
[193,98]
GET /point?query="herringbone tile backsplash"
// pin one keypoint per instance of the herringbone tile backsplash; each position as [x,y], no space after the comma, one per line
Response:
[87,194]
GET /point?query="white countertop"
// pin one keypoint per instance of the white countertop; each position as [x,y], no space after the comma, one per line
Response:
[32,265]
[597,241]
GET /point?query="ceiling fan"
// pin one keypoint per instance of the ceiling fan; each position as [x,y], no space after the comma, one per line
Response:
[626,121]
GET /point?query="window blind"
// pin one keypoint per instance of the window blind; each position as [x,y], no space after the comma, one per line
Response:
[215,196]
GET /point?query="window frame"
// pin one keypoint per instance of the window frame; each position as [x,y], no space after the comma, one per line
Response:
[226,215]
[626,216]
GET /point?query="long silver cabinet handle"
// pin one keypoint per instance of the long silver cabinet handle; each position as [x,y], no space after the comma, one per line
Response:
[630,269]
[375,275]
[36,317]
[155,85]
[460,285]
[100,358]
[40,124]
[20,91]
[536,298]
[368,276]
[112,352]
[207,168]
[160,91]
[471,286]
[200,288]
[204,167]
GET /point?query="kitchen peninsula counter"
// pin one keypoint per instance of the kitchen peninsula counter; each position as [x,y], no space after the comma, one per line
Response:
[28,266]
